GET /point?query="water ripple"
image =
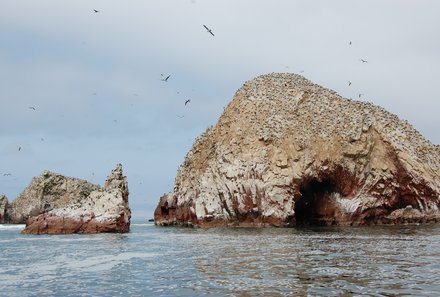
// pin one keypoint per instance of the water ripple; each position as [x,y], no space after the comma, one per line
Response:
[378,261]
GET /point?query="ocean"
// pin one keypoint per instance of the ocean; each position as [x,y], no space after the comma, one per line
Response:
[160,261]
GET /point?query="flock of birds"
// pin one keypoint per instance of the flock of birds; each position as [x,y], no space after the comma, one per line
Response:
[164,79]
[167,77]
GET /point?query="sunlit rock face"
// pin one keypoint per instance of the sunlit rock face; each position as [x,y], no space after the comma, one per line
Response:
[105,209]
[287,152]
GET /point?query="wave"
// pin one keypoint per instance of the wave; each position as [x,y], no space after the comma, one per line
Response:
[12,226]
[142,224]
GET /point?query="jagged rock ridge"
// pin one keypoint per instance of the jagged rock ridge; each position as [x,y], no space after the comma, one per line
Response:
[287,152]
[104,209]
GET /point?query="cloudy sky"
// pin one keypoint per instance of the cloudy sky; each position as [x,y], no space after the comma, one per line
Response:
[95,79]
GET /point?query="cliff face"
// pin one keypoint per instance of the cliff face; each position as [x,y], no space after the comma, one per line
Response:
[102,210]
[3,205]
[287,152]
[46,192]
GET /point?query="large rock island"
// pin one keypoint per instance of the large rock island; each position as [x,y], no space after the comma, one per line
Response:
[78,206]
[287,152]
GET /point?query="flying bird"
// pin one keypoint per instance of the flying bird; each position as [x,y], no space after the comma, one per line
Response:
[96,11]
[181,116]
[19,148]
[31,107]
[349,83]
[7,174]
[349,43]
[166,78]
[360,95]
[209,30]
[187,101]
[363,61]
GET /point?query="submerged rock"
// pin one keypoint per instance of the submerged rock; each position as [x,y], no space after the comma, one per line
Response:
[287,152]
[102,210]
[3,205]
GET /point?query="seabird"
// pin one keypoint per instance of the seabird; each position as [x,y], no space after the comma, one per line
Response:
[360,95]
[209,30]
[31,107]
[166,78]
[181,116]
[363,61]
[19,148]
[349,43]
[187,101]
[96,11]
[349,83]
[7,174]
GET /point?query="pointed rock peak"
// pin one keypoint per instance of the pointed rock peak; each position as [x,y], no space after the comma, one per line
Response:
[117,180]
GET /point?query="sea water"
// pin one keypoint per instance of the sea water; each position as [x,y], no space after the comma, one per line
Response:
[158,261]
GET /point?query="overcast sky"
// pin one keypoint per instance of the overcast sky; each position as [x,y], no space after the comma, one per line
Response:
[94,79]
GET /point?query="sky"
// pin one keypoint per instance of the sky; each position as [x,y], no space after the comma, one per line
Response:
[94,79]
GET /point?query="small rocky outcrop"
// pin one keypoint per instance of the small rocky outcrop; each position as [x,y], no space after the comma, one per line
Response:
[287,152]
[3,205]
[104,209]
[46,192]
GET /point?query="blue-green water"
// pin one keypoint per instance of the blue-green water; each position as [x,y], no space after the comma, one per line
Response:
[153,261]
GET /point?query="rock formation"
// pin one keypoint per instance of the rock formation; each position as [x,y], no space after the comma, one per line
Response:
[102,210]
[287,152]
[46,192]
[3,205]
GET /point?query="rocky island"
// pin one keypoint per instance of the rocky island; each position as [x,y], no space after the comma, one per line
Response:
[56,204]
[287,152]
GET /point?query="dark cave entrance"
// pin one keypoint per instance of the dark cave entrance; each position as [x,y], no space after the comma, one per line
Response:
[314,207]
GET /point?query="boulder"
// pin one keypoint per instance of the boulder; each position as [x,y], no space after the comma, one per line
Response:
[104,209]
[287,152]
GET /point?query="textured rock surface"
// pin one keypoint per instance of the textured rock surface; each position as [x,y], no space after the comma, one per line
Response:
[3,205]
[103,210]
[46,192]
[287,152]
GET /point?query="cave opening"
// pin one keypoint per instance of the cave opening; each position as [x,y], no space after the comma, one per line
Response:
[314,207]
